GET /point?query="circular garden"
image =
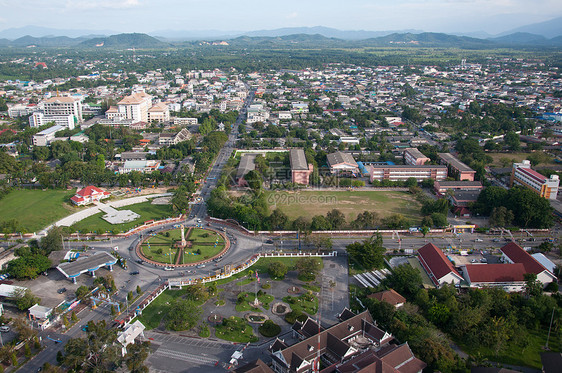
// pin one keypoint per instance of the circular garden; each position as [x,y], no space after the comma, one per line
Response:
[167,247]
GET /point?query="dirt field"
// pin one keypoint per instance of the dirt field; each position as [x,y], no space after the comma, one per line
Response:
[351,203]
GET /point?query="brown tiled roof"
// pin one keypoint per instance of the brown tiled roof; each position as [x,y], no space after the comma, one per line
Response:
[402,359]
[256,366]
[436,261]
[518,255]
[388,296]
[500,272]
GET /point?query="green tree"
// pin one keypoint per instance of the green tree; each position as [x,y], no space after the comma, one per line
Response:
[139,290]
[369,253]
[82,292]
[533,286]
[277,270]
[254,180]
[365,220]
[136,355]
[278,219]
[24,298]
[53,240]
[501,217]
[183,315]
[511,139]
[406,280]
[336,218]
[308,268]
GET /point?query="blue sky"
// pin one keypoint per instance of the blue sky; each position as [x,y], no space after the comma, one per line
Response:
[492,16]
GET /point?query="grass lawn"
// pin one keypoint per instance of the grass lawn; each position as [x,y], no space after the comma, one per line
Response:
[516,355]
[499,159]
[306,303]
[146,210]
[350,203]
[36,209]
[235,329]
[153,314]
[426,281]
[198,235]
[249,296]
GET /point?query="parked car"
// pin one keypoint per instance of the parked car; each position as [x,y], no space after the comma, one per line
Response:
[168,268]
[4,329]
[478,240]
[134,273]
[61,290]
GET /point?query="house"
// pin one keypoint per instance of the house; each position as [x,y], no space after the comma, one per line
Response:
[300,169]
[438,267]
[256,366]
[513,253]
[141,166]
[389,296]
[342,163]
[89,194]
[46,136]
[347,346]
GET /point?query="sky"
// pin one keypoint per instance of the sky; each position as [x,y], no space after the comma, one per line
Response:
[492,16]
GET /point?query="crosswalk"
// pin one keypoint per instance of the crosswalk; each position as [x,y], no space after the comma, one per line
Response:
[372,279]
[195,342]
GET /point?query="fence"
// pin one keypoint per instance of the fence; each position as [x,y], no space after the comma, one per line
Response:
[169,284]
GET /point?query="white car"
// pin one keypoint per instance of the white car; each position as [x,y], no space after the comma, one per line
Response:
[478,240]
[168,269]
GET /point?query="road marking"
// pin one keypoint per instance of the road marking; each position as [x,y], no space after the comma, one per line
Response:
[185,356]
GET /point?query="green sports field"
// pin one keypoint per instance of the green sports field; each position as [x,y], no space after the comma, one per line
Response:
[36,209]
[351,203]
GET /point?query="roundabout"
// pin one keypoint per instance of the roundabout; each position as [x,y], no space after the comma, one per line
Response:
[183,246]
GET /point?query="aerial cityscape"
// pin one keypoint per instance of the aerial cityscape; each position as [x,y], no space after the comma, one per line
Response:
[301,187]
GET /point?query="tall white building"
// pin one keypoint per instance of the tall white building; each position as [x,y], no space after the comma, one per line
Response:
[134,107]
[62,106]
[39,118]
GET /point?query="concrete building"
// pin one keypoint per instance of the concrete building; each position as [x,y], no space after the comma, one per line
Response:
[40,316]
[414,157]
[134,107]
[342,163]
[45,137]
[300,169]
[441,187]
[457,169]
[64,106]
[513,253]
[39,118]
[159,113]
[88,195]
[403,172]
[185,121]
[91,264]
[522,174]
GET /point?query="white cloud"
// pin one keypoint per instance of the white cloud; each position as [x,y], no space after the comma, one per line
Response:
[292,15]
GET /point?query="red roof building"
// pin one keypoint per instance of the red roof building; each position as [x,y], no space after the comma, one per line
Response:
[439,269]
[513,253]
[510,277]
[390,297]
[88,195]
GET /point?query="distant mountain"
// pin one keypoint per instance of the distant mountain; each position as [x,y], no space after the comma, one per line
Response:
[521,38]
[38,31]
[325,31]
[548,29]
[178,35]
[124,41]
[431,39]
[56,41]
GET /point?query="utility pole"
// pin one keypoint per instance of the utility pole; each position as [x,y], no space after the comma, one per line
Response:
[549,328]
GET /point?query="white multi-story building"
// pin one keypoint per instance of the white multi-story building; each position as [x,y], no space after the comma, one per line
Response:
[522,174]
[134,107]
[403,173]
[63,106]
[185,121]
[159,113]
[19,110]
[39,119]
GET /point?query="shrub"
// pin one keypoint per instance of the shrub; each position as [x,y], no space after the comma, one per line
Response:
[266,286]
[269,329]
[293,316]
[552,287]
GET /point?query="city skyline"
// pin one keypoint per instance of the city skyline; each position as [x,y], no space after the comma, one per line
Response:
[467,16]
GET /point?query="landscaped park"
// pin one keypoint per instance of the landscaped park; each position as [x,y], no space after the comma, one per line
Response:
[198,245]
[310,203]
[283,287]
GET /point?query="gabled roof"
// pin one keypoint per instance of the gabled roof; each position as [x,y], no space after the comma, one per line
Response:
[501,272]
[339,158]
[256,366]
[437,263]
[388,296]
[517,255]
[403,359]
[89,190]
[298,159]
